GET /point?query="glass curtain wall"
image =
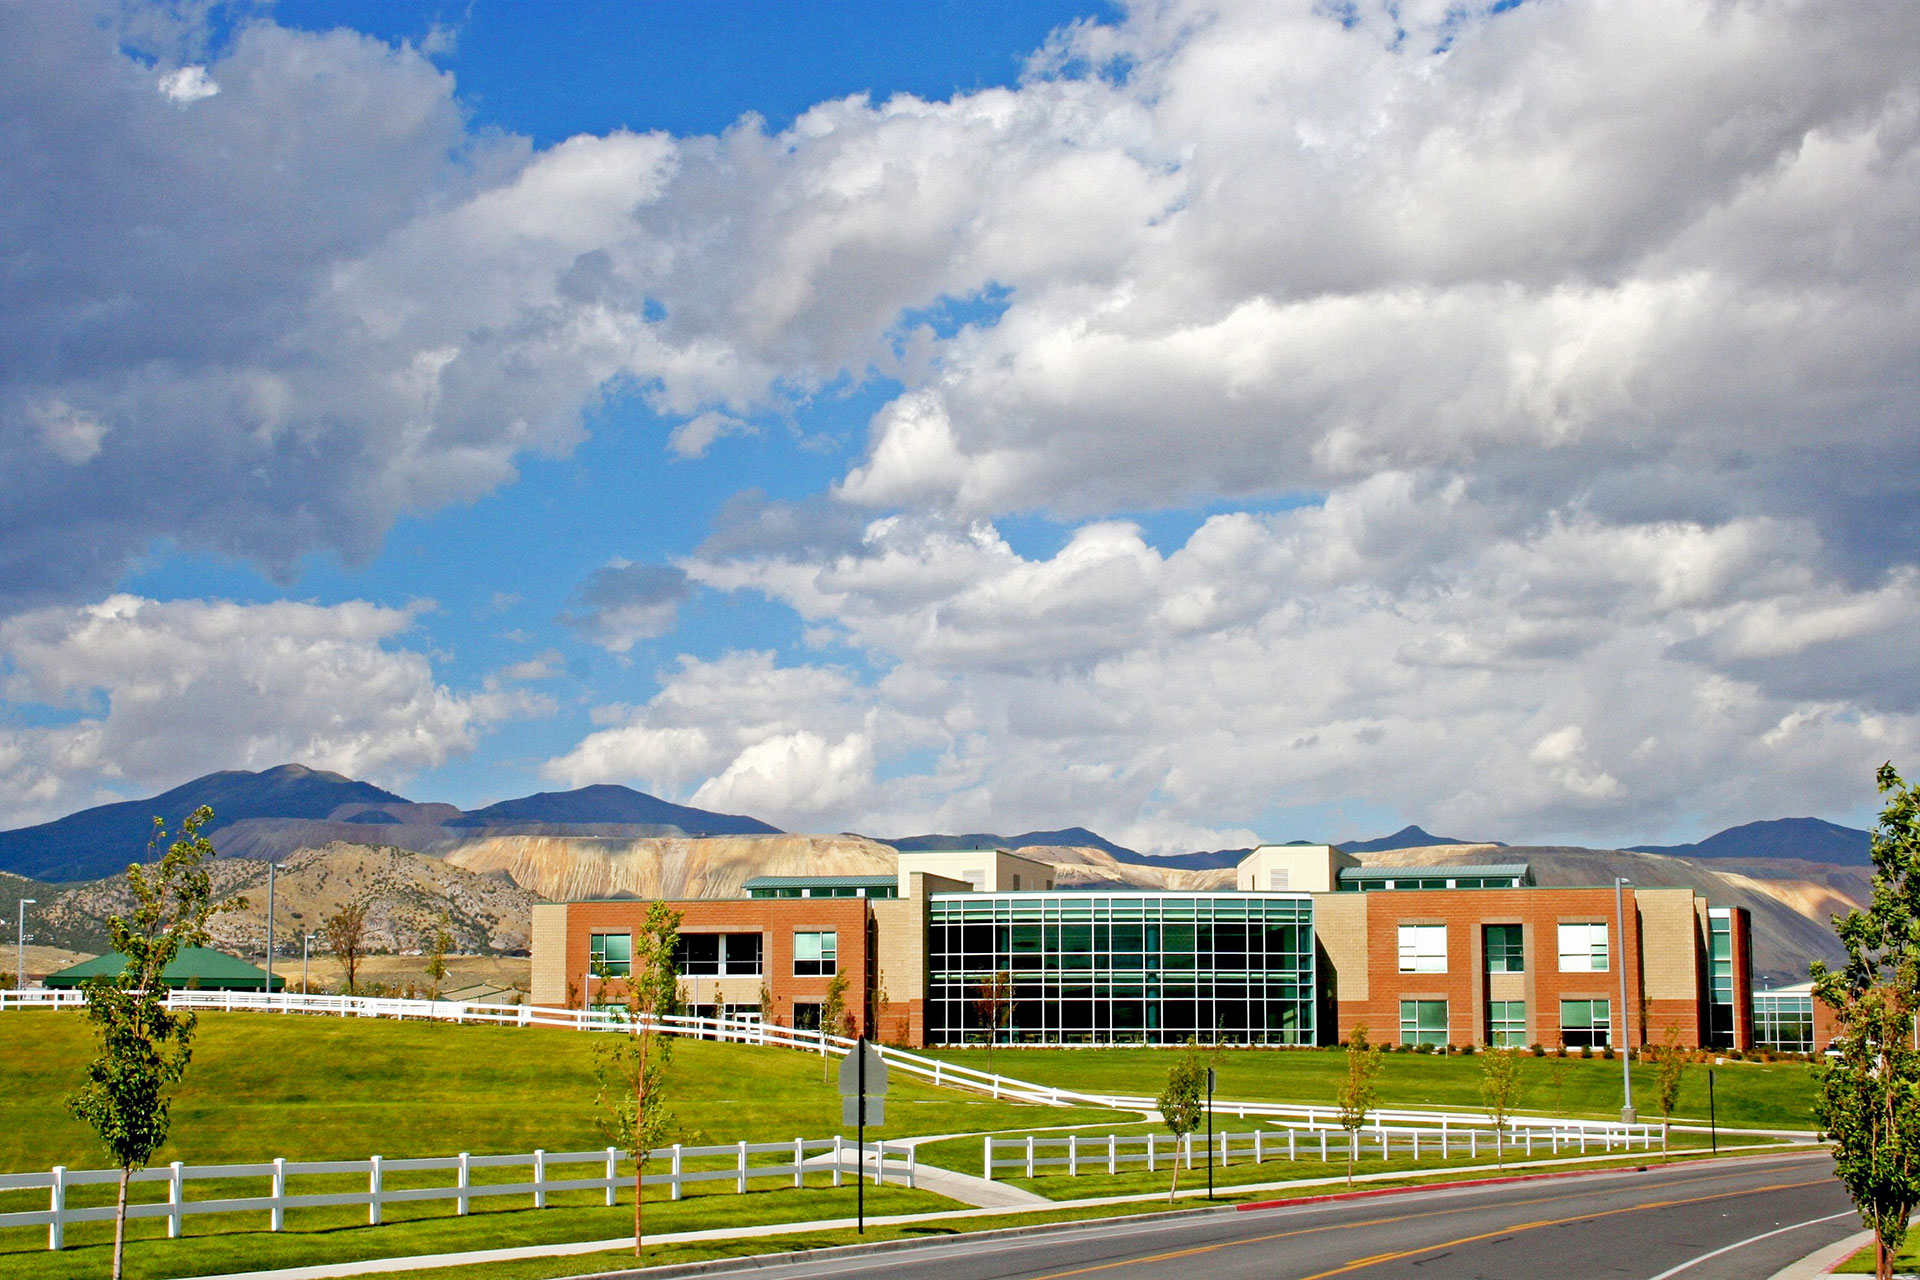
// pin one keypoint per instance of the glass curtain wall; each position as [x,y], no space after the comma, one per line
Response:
[1783,1022]
[1089,968]
[1720,976]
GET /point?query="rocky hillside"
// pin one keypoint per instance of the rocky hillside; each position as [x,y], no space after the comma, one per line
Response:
[408,894]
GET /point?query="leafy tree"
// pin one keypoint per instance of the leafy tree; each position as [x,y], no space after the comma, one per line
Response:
[145,1046]
[1500,1091]
[1669,1069]
[442,943]
[1181,1104]
[1867,1100]
[993,1004]
[346,931]
[632,1068]
[1357,1092]
[766,1004]
[833,1016]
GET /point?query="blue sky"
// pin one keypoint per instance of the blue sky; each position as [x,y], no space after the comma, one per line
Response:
[1203,422]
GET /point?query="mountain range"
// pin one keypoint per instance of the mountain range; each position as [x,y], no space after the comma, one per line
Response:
[277,811]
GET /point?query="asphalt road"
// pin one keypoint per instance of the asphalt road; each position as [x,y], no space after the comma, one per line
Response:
[1745,1218]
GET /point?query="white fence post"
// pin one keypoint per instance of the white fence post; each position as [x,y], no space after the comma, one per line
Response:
[913,1163]
[1473,1144]
[1073,1155]
[743,1166]
[613,1173]
[1323,1146]
[57,1205]
[1292,1153]
[799,1163]
[674,1191]
[373,1191]
[1113,1154]
[174,1192]
[1029,1155]
[540,1178]
[460,1201]
[1416,1146]
[1151,1143]
[279,1193]
[986,1158]
[839,1144]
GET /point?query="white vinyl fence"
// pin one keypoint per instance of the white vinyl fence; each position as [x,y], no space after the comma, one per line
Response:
[831,1157]
[1118,1153]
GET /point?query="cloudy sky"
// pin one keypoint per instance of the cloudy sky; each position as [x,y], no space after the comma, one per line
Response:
[1199,421]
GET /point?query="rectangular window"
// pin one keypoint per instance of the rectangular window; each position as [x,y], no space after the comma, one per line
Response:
[1504,951]
[816,953]
[1423,1022]
[1583,948]
[1586,1022]
[611,953]
[1507,1023]
[701,955]
[806,1015]
[1423,948]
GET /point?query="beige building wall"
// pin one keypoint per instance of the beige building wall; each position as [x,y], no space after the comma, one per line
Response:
[548,940]
[1340,925]
[982,870]
[1668,956]
[1291,868]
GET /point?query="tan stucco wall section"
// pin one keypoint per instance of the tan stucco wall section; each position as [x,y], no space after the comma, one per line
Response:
[549,945]
[1668,959]
[1340,925]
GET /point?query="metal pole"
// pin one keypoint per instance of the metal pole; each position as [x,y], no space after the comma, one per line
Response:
[1626,1049]
[1713,1125]
[20,960]
[270,870]
[860,1137]
[306,954]
[1209,1133]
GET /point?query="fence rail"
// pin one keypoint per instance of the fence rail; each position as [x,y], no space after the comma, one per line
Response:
[1110,1154]
[935,1071]
[820,1156]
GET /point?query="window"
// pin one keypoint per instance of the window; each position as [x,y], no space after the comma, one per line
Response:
[1506,1023]
[806,1015]
[1423,948]
[1586,1022]
[1505,953]
[700,955]
[1423,1022]
[611,953]
[816,953]
[1583,948]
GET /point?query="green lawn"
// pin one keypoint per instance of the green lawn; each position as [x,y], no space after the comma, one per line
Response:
[327,1088]
[1769,1095]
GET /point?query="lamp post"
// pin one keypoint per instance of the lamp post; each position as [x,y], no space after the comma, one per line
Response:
[271,868]
[20,958]
[306,953]
[1626,1049]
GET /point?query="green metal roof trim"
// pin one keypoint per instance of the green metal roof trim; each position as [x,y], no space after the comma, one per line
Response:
[819,882]
[1463,871]
[211,970]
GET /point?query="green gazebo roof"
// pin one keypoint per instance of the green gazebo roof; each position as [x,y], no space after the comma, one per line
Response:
[198,966]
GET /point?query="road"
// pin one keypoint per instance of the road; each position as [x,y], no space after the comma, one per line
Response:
[1745,1218]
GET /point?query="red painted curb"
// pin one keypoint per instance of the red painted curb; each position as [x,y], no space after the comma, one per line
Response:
[1448,1186]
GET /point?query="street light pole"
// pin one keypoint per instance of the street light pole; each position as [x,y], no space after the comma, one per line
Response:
[20,959]
[1626,1049]
[271,868]
[306,952]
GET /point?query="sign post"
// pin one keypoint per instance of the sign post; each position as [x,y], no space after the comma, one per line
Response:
[1210,1084]
[863,1088]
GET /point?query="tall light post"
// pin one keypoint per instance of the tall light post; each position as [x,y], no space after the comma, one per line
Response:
[271,868]
[20,958]
[306,952]
[1626,1049]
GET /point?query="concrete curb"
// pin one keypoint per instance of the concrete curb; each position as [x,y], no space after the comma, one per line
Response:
[1822,1261]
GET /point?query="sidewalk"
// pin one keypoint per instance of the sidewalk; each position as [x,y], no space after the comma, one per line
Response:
[1822,1261]
[422,1262]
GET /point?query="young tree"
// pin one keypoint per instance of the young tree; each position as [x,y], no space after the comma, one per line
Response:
[1557,1081]
[833,1016]
[1669,1069]
[346,932]
[1181,1103]
[993,1004]
[146,1046]
[766,1005]
[1867,1096]
[632,1068]
[1357,1093]
[441,943]
[1500,1091]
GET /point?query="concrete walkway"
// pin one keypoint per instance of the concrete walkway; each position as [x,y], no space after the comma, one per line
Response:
[381,1266]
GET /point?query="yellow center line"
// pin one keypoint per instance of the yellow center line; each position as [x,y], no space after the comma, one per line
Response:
[1357,1264]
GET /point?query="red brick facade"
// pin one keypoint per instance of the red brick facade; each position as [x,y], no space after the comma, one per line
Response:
[775,919]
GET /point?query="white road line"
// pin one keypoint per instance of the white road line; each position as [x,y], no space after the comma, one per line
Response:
[1741,1244]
